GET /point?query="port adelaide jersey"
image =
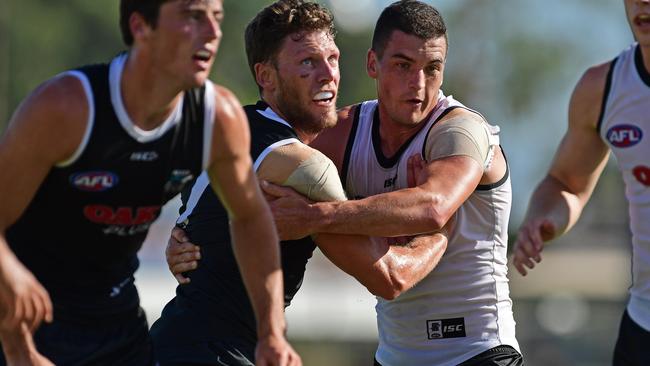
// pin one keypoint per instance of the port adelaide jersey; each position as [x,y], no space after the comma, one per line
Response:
[215,304]
[82,230]
[624,125]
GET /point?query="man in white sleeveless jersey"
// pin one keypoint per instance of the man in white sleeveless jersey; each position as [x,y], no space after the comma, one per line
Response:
[461,312]
[609,112]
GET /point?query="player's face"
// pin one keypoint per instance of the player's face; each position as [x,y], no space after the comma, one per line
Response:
[186,38]
[408,76]
[308,79]
[638,15]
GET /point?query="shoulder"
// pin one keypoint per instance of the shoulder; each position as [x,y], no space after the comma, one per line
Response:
[587,98]
[462,120]
[227,106]
[462,114]
[59,105]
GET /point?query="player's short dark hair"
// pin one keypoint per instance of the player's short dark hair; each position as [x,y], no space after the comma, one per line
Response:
[147,8]
[411,17]
[267,31]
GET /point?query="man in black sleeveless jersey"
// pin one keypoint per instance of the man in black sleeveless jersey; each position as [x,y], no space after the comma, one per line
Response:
[293,57]
[89,158]
[609,112]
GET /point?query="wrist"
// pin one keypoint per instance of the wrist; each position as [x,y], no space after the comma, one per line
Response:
[322,217]
[275,331]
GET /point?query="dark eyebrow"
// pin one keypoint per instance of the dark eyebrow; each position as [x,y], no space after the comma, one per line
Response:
[402,56]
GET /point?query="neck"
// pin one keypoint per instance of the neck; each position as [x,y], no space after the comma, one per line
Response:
[148,96]
[394,134]
[305,136]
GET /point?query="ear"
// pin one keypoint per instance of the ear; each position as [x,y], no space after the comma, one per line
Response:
[371,64]
[140,29]
[266,76]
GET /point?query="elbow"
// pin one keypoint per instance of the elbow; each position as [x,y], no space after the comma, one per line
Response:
[389,287]
[435,219]
[434,213]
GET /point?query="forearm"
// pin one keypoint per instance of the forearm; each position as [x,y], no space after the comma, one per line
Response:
[404,212]
[408,265]
[385,270]
[553,201]
[256,248]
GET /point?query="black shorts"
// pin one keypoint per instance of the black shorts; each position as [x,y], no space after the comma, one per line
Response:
[633,344]
[207,353]
[497,356]
[121,343]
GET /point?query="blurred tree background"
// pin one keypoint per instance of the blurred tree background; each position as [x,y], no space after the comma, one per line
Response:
[515,61]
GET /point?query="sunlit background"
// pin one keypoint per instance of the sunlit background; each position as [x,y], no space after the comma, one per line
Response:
[516,61]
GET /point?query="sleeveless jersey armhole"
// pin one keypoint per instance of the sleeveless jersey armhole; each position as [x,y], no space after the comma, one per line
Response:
[208,124]
[90,121]
[608,86]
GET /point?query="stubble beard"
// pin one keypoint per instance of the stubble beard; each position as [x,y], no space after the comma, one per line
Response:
[299,116]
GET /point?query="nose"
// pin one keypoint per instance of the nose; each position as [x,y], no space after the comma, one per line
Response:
[213,29]
[328,72]
[417,80]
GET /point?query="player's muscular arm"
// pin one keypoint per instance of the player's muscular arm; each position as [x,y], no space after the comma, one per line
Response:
[385,270]
[47,128]
[255,242]
[558,200]
[442,187]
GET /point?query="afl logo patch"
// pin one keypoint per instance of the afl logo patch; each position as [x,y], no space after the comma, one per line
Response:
[94,181]
[624,135]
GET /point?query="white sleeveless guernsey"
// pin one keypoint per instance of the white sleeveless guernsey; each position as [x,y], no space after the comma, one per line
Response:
[462,308]
[625,127]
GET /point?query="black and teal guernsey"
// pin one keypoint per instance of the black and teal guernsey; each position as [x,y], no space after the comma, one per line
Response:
[81,232]
[211,317]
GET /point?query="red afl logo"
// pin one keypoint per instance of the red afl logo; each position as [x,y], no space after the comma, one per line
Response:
[94,181]
[624,135]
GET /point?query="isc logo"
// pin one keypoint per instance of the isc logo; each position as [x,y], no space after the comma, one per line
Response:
[624,135]
[446,328]
[94,181]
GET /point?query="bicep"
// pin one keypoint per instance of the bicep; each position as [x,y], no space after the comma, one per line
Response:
[582,154]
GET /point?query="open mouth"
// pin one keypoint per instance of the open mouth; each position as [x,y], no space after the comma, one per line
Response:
[642,20]
[324,97]
[202,55]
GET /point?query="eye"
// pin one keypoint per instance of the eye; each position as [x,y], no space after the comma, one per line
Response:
[218,16]
[403,66]
[431,69]
[333,60]
[307,62]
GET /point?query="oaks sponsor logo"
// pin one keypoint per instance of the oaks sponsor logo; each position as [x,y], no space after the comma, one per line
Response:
[624,135]
[122,221]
